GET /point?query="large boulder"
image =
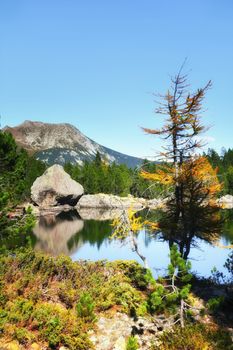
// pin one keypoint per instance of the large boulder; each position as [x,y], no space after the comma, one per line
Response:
[55,187]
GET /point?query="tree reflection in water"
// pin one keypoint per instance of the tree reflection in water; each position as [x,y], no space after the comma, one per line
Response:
[197,222]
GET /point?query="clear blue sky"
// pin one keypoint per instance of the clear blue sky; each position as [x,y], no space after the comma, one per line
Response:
[95,64]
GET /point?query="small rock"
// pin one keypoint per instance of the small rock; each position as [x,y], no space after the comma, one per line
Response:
[120,344]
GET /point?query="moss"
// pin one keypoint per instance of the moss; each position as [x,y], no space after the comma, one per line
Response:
[3,319]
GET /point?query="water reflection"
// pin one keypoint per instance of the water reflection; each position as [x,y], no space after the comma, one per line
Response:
[66,232]
[69,234]
[99,214]
[197,223]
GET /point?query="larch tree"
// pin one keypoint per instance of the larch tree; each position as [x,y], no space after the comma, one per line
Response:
[193,187]
[180,131]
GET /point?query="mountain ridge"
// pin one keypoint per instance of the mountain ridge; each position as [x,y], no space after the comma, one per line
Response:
[63,142]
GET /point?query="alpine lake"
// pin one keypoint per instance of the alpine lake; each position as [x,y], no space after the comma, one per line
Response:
[87,236]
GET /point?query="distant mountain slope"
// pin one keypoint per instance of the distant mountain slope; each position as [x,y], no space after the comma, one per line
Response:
[62,143]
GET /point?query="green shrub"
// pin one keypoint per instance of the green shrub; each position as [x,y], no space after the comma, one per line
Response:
[20,310]
[118,291]
[85,307]
[214,304]
[23,335]
[169,292]
[138,275]
[132,344]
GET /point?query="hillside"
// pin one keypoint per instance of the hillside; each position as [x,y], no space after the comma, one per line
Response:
[62,143]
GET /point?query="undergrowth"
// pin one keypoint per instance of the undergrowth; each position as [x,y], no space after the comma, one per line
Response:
[55,302]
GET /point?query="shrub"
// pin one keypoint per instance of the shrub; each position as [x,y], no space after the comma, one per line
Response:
[214,304]
[85,307]
[132,344]
[23,335]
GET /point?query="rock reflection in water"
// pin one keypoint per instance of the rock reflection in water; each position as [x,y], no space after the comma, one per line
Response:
[53,233]
[99,214]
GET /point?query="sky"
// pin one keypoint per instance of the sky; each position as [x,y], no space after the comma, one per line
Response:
[98,64]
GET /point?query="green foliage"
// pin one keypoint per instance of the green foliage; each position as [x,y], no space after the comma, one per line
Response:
[18,170]
[168,294]
[229,180]
[156,299]
[140,277]
[224,163]
[17,173]
[118,291]
[132,344]
[229,265]
[23,335]
[214,304]
[99,177]
[179,264]
[15,233]
[85,307]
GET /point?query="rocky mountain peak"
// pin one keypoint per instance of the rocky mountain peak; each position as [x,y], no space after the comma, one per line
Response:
[61,143]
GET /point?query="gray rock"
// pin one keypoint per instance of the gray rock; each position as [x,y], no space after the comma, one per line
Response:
[156,203]
[100,214]
[226,201]
[55,187]
[113,332]
[109,201]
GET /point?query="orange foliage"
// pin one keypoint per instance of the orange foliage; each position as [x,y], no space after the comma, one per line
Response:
[161,176]
[195,174]
[200,173]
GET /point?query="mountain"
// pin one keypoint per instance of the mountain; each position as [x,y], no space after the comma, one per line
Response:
[62,143]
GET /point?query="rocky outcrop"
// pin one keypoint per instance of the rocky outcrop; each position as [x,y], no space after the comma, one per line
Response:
[99,214]
[112,332]
[55,187]
[108,201]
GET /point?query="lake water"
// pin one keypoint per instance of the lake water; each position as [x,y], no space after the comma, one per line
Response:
[90,239]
